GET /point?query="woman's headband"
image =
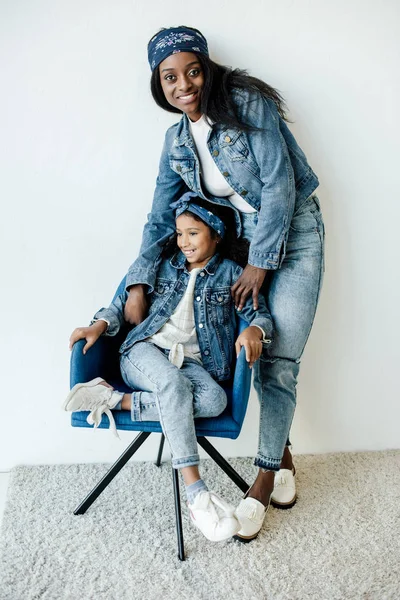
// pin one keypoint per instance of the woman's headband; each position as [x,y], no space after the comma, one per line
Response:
[184,204]
[172,40]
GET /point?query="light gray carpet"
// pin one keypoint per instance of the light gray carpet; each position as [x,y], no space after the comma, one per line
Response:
[340,541]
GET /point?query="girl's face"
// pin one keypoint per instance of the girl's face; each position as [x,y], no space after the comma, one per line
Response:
[195,240]
[182,80]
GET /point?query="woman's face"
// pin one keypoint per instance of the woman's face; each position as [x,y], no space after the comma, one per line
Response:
[182,81]
[195,240]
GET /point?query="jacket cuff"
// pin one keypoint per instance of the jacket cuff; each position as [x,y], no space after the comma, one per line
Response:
[266,327]
[268,261]
[140,277]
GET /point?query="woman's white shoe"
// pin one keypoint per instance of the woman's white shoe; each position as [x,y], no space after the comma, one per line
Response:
[251,514]
[284,493]
[213,516]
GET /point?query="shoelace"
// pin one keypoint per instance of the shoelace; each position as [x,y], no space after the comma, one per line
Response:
[94,418]
[280,480]
[212,501]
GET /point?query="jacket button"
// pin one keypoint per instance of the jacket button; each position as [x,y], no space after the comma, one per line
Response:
[243,193]
[228,139]
[201,325]
[198,298]
[225,174]
[215,153]
[202,274]
[179,168]
[219,298]
[206,352]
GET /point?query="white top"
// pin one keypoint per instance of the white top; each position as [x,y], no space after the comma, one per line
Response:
[212,178]
[179,332]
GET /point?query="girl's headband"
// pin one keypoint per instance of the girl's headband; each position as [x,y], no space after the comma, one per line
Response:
[172,40]
[184,204]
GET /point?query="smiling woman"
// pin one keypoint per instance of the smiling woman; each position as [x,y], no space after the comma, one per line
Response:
[182,80]
[232,147]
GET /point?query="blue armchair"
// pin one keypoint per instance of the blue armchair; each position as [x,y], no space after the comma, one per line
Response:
[102,360]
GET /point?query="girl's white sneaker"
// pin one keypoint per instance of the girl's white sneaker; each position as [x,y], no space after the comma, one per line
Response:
[96,398]
[213,516]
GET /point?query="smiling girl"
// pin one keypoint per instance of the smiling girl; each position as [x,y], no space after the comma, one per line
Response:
[176,356]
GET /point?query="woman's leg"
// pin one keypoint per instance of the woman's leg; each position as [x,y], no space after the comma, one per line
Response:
[292,299]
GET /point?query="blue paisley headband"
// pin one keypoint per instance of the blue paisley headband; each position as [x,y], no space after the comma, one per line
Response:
[184,204]
[172,40]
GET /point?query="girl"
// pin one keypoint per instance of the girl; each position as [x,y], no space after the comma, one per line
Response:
[232,141]
[178,353]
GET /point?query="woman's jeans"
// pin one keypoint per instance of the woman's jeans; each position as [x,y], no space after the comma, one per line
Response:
[172,396]
[292,294]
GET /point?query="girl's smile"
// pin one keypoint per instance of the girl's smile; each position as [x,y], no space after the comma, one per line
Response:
[195,240]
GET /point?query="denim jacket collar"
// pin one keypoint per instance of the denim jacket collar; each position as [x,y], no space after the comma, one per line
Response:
[179,259]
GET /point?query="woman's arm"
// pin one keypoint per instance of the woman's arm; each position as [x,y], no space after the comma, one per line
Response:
[160,221]
[157,231]
[268,146]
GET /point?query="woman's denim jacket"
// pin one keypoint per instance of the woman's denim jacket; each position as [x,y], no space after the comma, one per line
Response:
[264,166]
[214,310]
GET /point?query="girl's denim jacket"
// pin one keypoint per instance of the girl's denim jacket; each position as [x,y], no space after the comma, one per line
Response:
[265,166]
[214,310]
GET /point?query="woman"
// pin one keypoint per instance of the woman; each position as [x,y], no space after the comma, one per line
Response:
[233,147]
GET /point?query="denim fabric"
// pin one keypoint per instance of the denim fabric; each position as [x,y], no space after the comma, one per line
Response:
[172,396]
[292,295]
[265,166]
[214,311]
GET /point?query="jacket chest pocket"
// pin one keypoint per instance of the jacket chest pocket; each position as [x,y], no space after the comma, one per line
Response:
[234,145]
[162,290]
[219,304]
[184,167]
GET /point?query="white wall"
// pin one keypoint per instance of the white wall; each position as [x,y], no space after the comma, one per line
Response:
[80,139]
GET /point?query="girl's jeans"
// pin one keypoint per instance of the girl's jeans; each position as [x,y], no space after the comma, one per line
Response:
[172,396]
[292,295]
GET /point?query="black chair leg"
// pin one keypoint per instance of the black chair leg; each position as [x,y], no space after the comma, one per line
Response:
[221,462]
[160,450]
[112,472]
[178,514]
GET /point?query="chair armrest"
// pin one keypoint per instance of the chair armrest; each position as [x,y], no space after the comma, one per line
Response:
[85,367]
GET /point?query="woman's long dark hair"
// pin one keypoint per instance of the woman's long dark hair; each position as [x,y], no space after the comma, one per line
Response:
[230,246]
[216,95]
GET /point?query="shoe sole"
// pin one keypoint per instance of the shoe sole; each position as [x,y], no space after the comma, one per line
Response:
[284,506]
[77,387]
[245,539]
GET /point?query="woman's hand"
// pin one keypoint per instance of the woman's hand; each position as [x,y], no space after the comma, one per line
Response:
[248,283]
[90,334]
[136,305]
[250,338]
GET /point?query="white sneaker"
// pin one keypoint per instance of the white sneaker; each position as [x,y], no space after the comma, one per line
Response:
[284,494]
[213,516]
[96,398]
[251,514]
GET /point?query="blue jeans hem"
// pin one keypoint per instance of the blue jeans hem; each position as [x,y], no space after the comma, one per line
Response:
[270,464]
[186,461]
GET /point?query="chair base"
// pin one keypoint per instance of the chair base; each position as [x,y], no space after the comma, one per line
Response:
[130,451]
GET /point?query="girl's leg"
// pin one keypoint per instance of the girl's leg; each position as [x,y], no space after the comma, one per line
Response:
[165,395]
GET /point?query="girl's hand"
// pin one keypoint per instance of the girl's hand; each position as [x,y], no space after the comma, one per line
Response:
[136,305]
[250,338]
[90,334]
[248,283]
